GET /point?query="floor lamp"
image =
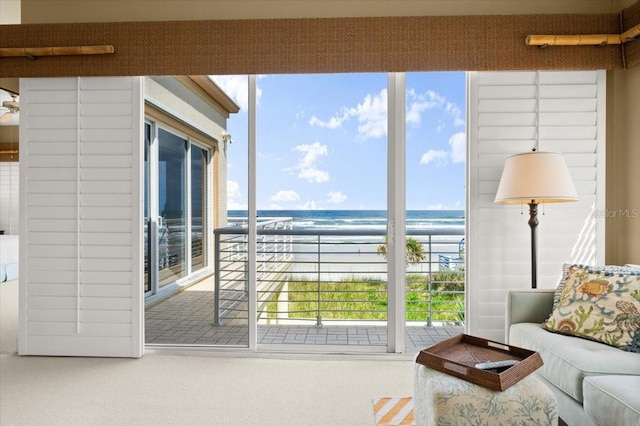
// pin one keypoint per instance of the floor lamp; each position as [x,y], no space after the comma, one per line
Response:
[534,178]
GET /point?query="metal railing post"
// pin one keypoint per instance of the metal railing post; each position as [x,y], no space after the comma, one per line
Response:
[319,316]
[216,302]
[430,311]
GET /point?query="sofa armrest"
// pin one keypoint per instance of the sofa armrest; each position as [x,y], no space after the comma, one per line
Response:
[527,306]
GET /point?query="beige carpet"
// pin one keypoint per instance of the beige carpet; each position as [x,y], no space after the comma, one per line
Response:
[393,411]
[162,389]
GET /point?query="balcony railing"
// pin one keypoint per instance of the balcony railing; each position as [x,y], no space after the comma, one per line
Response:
[315,276]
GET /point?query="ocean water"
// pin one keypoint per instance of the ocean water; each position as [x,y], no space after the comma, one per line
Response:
[360,219]
[348,254]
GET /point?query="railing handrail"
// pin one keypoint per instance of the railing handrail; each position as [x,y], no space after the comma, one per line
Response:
[438,231]
[262,221]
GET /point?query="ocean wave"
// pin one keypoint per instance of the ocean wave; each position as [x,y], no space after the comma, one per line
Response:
[358,219]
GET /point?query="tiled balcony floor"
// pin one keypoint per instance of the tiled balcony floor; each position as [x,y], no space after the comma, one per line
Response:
[187,319]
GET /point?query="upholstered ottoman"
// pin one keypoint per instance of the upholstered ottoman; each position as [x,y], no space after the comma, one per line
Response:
[441,399]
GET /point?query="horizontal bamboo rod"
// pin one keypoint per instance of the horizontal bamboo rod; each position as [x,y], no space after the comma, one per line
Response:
[573,40]
[584,40]
[55,51]
[8,152]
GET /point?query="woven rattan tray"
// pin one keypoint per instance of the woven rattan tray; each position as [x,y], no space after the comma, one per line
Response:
[459,355]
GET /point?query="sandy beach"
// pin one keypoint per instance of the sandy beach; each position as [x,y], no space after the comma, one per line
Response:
[340,260]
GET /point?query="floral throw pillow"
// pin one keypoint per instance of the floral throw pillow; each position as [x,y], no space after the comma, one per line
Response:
[599,305]
[567,268]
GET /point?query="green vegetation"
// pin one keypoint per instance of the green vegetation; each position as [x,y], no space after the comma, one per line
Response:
[361,298]
[414,250]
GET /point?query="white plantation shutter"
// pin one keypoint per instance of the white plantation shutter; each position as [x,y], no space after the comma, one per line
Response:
[80,202]
[502,122]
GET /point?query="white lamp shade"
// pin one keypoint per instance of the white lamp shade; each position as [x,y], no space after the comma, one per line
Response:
[540,177]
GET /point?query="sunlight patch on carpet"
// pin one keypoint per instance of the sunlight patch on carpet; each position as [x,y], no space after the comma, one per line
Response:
[393,411]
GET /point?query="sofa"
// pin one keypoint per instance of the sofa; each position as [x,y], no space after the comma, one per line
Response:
[595,383]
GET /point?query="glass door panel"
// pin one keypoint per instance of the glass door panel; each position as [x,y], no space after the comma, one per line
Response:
[172,245]
[199,228]
[147,213]
[435,217]
[321,186]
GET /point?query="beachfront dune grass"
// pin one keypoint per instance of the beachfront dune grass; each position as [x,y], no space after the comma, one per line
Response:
[439,296]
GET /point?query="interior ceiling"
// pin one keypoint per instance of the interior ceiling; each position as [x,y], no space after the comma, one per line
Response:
[66,11]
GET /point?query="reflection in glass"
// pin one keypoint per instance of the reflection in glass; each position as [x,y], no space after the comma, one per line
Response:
[198,208]
[172,202]
[147,222]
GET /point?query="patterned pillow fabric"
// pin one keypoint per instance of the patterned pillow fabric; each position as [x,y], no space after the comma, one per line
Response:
[601,304]
[568,268]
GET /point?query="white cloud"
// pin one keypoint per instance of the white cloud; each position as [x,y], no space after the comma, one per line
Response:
[312,174]
[371,115]
[233,205]
[233,192]
[237,88]
[311,153]
[333,123]
[458,143]
[307,166]
[437,155]
[284,196]
[418,103]
[456,154]
[438,206]
[336,197]
[309,205]
[275,207]
[456,113]
[233,189]
[421,102]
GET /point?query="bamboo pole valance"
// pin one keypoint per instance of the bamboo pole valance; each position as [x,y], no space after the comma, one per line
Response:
[32,52]
[583,40]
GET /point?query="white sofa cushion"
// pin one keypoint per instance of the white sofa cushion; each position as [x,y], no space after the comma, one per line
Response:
[568,360]
[613,400]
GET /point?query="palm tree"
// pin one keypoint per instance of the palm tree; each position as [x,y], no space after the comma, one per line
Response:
[415,250]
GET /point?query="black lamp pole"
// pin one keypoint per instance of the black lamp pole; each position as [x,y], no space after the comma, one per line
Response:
[533,224]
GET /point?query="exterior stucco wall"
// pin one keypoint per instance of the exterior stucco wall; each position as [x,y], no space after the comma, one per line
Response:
[175,99]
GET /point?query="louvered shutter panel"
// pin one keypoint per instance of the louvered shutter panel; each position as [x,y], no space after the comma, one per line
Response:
[502,121]
[80,230]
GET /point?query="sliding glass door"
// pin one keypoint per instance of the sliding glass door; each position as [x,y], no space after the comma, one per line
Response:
[172,247]
[176,213]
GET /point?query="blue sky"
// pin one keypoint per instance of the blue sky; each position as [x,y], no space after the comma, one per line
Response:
[322,139]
